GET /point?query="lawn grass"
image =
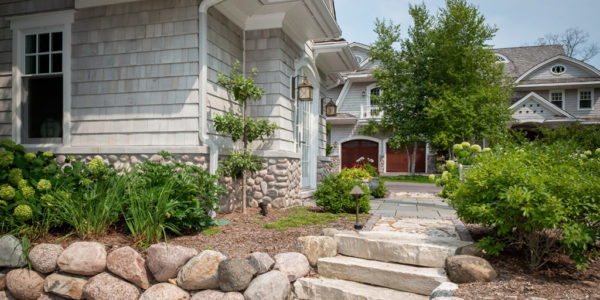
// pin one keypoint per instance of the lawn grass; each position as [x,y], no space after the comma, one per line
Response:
[407,178]
[303,216]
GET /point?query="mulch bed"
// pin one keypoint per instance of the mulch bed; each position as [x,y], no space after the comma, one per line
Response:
[558,279]
[244,235]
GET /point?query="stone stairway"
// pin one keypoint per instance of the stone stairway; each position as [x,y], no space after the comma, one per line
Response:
[378,265]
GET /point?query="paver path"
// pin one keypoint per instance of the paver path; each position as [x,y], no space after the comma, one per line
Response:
[422,206]
[396,187]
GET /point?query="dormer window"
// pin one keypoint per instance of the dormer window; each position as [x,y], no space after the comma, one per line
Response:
[501,58]
[558,69]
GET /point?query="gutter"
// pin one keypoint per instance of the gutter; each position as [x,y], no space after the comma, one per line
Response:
[203,135]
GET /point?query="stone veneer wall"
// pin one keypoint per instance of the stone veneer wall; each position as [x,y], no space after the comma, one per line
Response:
[278,185]
[325,166]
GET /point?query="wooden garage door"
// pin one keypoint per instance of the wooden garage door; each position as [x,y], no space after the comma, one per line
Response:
[353,150]
[397,160]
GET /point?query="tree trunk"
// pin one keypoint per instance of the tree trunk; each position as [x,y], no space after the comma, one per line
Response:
[244,172]
[414,160]
[408,158]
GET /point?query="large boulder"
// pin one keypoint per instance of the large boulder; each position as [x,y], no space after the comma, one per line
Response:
[235,274]
[165,291]
[165,260]
[25,284]
[65,286]
[105,286]
[217,295]
[11,252]
[273,285]
[129,265]
[315,247]
[43,257]
[83,258]
[201,272]
[466,268]
[261,261]
[293,264]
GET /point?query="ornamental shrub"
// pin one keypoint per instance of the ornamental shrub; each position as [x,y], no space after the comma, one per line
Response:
[543,198]
[23,212]
[7,192]
[380,191]
[334,194]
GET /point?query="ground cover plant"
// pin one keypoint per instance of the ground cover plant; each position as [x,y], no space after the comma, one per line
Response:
[303,216]
[407,178]
[86,199]
[541,198]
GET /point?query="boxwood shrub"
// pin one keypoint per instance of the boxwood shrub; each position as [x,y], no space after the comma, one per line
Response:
[334,192]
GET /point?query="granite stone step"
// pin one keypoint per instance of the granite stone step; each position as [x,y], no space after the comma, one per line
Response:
[399,277]
[327,289]
[418,250]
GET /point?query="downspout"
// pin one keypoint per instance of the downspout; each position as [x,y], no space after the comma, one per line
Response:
[203,84]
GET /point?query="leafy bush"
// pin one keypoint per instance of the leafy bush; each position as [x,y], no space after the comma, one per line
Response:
[334,192]
[37,195]
[536,196]
[380,191]
[238,162]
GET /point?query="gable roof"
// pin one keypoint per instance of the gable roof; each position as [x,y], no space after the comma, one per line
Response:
[579,63]
[522,59]
[539,99]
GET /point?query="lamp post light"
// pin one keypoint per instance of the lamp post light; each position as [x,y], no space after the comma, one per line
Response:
[357,192]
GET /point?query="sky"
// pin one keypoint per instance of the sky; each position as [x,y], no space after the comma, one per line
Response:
[519,22]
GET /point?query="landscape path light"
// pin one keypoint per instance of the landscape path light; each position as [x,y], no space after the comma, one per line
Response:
[357,192]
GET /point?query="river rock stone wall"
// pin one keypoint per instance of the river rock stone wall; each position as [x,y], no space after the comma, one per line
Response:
[277,185]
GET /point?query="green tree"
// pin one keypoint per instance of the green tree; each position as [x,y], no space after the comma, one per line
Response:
[442,84]
[239,127]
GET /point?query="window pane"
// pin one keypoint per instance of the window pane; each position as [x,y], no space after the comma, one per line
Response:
[43,112]
[585,104]
[43,64]
[57,63]
[44,42]
[30,44]
[30,64]
[57,41]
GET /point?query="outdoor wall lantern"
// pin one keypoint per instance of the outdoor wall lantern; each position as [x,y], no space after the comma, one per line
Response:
[330,108]
[305,90]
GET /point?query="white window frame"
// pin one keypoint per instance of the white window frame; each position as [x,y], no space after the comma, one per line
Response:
[579,98]
[563,97]
[369,88]
[38,23]
[556,65]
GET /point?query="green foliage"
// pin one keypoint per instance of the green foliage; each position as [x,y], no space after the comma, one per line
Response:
[407,178]
[531,195]
[37,195]
[333,193]
[443,83]
[242,88]
[328,149]
[582,136]
[380,191]
[248,130]
[238,162]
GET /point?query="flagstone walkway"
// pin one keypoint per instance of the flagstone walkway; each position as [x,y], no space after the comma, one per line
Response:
[415,205]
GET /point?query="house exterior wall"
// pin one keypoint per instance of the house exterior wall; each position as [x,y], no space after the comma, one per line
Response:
[135,73]
[354,99]
[570,101]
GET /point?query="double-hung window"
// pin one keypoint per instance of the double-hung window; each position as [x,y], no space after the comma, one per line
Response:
[41,76]
[557,98]
[585,99]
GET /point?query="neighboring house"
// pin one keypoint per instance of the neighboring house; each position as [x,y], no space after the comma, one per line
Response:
[124,79]
[551,89]
[355,108]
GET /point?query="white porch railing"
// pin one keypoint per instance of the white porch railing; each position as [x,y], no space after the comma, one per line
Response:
[370,112]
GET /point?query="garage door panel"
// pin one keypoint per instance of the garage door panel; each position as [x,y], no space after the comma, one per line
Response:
[355,149]
[397,159]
